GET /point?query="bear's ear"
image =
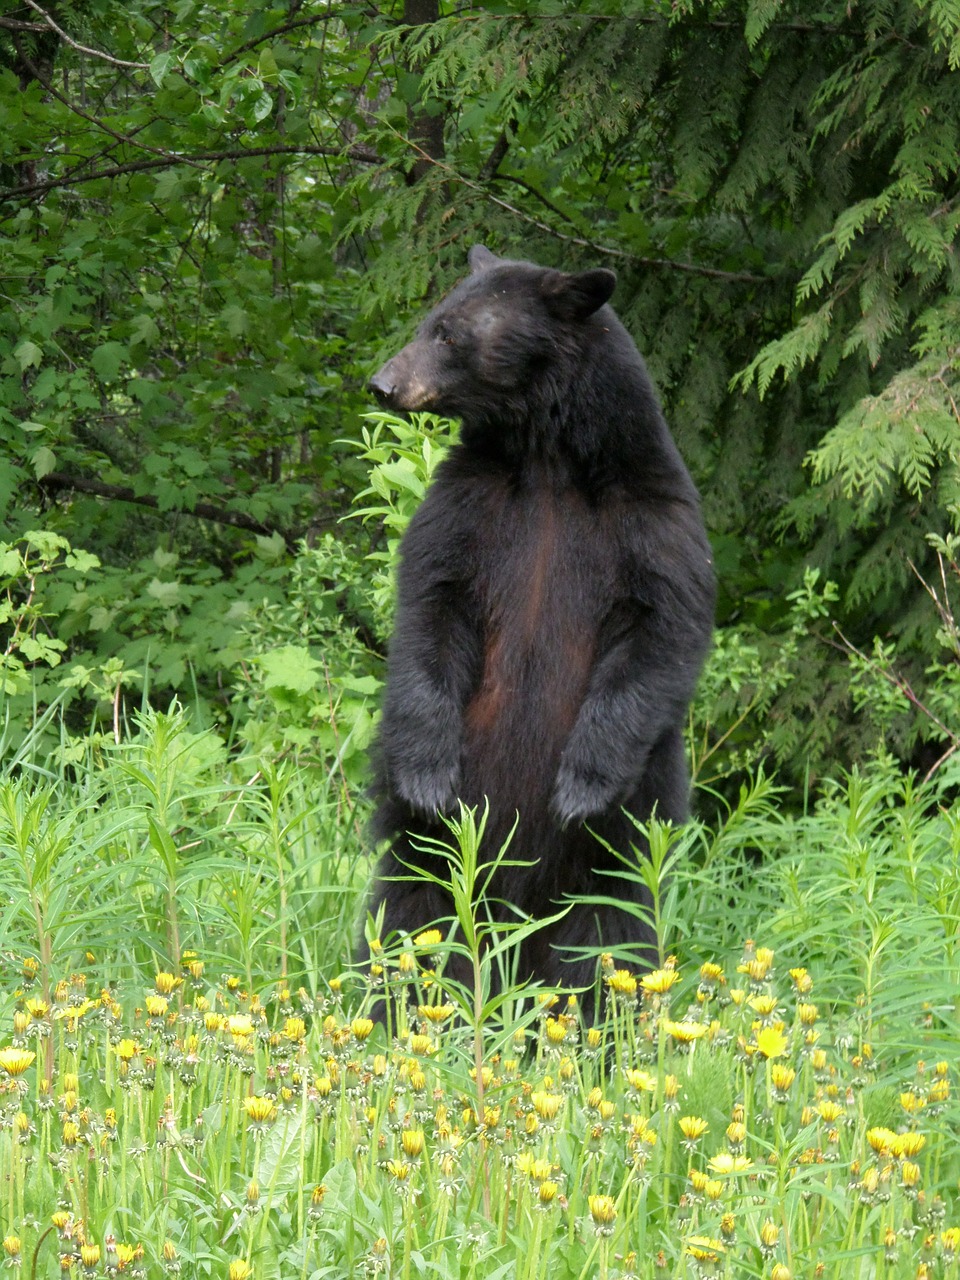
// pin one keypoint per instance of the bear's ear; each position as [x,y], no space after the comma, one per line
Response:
[574,297]
[480,258]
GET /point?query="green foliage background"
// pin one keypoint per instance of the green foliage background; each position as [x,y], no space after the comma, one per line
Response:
[214,220]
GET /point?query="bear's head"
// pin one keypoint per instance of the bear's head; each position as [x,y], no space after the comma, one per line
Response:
[506,331]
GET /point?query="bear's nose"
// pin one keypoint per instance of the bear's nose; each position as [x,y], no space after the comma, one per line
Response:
[382,385]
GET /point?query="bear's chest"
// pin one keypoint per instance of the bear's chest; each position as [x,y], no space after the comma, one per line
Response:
[544,583]
[549,560]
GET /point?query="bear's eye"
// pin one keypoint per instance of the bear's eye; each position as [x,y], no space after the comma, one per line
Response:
[447,338]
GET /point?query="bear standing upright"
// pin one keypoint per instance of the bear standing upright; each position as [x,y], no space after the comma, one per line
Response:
[556,598]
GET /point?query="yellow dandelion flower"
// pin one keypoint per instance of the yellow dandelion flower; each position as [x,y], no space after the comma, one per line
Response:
[603,1210]
[622,983]
[769,1234]
[156,1005]
[808,1014]
[398,1169]
[126,1049]
[801,980]
[239,1269]
[166,983]
[240,1024]
[491,1118]
[361,1027]
[547,1105]
[684,1032]
[11,1246]
[90,1255]
[736,1133]
[422,1046]
[705,1248]
[693,1127]
[912,1102]
[294,1029]
[764,1005]
[711,973]
[939,1091]
[724,1163]
[412,1141]
[772,1043]
[782,1077]
[881,1139]
[71,1133]
[659,981]
[909,1173]
[641,1081]
[547,1192]
[870,1180]
[780,1272]
[260,1110]
[15,1061]
[435,1013]
[556,1030]
[908,1144]
[594,1038]
[829,1110]
[429,938]
[950,1239]
[713,1189]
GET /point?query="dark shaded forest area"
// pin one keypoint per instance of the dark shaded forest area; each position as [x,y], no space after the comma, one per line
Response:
[214,220]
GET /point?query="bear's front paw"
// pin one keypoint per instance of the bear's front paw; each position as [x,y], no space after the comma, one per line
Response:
[580,794]
[431,790]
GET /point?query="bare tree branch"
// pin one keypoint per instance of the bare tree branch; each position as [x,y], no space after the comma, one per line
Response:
[200,510]
[84,115]
[361,154]
[82,48]
[15,24]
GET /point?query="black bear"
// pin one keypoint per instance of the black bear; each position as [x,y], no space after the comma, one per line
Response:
[555,604]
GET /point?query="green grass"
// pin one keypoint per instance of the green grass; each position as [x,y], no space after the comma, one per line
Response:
[203,1091]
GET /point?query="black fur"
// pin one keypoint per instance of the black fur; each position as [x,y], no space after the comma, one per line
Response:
[555,603]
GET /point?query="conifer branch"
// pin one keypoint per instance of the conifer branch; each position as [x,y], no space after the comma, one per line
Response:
[740,277]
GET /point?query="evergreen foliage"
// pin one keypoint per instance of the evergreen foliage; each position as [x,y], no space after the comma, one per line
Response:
[214,218]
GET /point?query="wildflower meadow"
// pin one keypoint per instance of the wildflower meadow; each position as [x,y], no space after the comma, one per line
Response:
[205,1073]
